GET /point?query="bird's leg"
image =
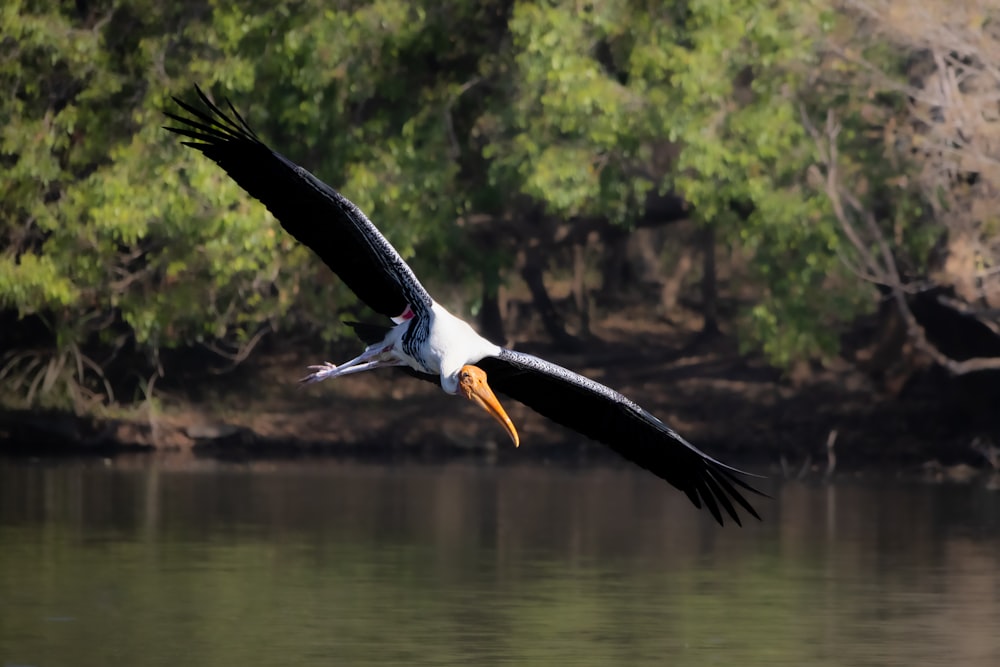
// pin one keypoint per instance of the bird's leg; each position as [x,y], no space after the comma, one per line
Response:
[374,356]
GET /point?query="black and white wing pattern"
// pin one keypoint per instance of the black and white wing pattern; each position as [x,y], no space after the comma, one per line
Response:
[310,210]
[603,414]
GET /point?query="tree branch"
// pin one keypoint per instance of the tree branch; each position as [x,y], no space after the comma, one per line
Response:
[883,267]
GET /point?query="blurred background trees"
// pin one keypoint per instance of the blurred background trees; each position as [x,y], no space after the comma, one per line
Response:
[827,159]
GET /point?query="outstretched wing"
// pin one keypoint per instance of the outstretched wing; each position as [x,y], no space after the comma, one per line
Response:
[310,210]
[603,414]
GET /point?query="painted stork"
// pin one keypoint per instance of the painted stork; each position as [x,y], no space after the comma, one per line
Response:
[431,343]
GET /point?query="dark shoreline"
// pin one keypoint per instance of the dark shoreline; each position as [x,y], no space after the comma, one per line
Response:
[734,408]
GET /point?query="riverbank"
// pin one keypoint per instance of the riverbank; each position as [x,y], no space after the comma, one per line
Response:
[733,406]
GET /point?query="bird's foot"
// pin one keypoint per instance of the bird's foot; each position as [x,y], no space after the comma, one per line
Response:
[373,357]
[319,373]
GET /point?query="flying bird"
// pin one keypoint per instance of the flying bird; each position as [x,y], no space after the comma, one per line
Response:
[431,343]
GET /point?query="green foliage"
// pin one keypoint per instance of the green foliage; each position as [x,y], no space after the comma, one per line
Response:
[699,98]
[106,218]
[573,136]
[425,114]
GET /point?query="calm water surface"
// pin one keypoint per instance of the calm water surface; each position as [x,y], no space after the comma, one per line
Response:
[350,564]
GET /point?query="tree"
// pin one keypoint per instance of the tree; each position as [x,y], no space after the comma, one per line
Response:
[489,141]
[115,237]
[918,202]
[694,99]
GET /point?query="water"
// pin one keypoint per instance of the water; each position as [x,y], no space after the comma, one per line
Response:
[352,564]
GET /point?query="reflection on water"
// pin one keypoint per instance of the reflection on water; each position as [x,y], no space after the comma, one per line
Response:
[332,563]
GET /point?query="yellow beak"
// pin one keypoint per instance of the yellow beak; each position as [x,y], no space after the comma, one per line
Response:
[472,384]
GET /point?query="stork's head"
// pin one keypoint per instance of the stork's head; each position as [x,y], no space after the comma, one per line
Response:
[472,385]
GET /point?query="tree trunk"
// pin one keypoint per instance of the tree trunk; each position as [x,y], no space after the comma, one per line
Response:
[532,273]
[490,318]
[580,286]
[709,286]
[614,263]
[671,290]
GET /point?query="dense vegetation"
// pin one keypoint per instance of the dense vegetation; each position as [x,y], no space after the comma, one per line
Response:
[837,154]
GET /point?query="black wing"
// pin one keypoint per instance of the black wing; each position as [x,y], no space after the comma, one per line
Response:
[310,210]
[603,414]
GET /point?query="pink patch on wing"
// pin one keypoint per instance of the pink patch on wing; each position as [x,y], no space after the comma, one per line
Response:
[407,314]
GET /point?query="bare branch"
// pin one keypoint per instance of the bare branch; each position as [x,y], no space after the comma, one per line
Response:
[826,146]
[883,267]
[241,353]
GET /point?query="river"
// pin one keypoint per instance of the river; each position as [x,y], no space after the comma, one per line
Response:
[141,563]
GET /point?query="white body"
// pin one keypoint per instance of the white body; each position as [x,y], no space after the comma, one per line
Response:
[451,344]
